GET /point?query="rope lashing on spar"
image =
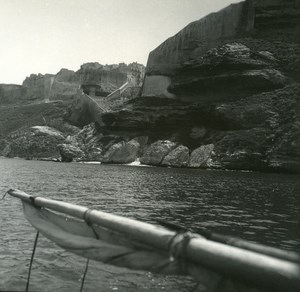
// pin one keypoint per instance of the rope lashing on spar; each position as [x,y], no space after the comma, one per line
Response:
[89,222]
[178,245]
[139,245]
[32,201]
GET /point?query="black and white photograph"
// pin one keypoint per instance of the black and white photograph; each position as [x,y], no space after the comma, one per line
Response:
[150,145]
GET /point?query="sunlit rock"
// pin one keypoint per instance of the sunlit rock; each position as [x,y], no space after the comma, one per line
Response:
[69,152]
[201,157]
[178,157]
[156,152]
[122,152]
[33,143]
[46,131]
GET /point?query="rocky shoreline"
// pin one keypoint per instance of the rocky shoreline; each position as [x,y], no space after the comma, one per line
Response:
[213,97]
[88,145]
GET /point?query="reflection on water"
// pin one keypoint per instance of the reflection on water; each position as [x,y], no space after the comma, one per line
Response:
[261,207]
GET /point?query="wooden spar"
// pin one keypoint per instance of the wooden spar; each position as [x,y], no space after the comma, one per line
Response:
[157,236]
[259,248]
[259,269]
[255,268]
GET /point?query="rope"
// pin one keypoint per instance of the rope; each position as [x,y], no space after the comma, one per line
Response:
[178,245]
[32,201]
[4,196]
[84,274]
[89,223]
[31,260]
[177,249]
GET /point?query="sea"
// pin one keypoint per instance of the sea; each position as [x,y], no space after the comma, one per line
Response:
[260,207]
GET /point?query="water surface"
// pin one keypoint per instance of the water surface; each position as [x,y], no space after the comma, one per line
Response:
[264,208]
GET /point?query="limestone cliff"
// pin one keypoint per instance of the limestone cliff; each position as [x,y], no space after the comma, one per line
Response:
[228,83]
[11,94]
[42,99]
[45,88]
[271,26]
[93,78]
[98,81]
[227,72]
[198,37]
[222,93]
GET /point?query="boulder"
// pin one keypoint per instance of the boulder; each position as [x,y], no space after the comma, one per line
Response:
[87,133]
[122,152]
[87,140]
[34,142]
[93,153]
[46,131]
[6,151]
[201,157]
[69,152]
[157,151]
[178,157]
[72,140]
[142,140]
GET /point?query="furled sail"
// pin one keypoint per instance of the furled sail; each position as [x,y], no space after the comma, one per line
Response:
[137,245]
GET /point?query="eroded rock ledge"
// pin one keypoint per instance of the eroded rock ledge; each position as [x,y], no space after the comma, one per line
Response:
[222,93]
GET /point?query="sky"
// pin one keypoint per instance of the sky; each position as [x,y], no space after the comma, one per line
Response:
[43,36]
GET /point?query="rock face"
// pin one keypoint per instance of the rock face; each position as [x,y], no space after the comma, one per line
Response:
[268,19]
[228,72]
[157,86]
[178,157]
[84,110]
[271,26]
[97,81]
[11,93]
[226,89]
[197,38]
[45,88]
[201,157]
[233,78]
[122,152]
[263,131]
[35,142]
[156,152]
[69,152]
[46,131]
[88,141]
[93,78]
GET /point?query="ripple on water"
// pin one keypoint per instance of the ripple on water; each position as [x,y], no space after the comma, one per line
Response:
[260,207]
